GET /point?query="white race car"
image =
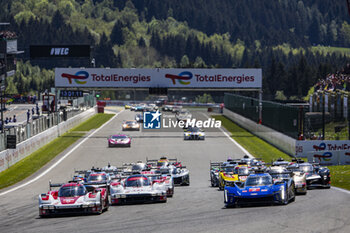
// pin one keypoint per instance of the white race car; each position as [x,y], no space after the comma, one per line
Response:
[194,133]
[164,180]
[137,189]
[73,198]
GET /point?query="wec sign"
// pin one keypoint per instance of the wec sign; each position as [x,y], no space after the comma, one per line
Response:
[59,51]
[167,78]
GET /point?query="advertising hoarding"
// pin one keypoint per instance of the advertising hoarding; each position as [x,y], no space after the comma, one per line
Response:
[45,51]
[327,152]
[167,78]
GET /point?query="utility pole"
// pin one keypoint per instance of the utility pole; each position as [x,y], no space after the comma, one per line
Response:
[3,72]
[323,117]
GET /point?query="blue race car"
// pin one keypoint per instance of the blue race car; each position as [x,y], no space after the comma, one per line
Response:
[258,189]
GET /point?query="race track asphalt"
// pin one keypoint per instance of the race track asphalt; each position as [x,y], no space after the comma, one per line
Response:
[194,208]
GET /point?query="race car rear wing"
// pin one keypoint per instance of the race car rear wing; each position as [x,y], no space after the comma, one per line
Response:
[214,164]
[95,183]
[52,185]
[156,160]
[128,164]
[151,160]
[81,171]
[297,160]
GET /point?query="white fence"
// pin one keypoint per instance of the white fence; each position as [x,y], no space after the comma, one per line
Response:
[11,156]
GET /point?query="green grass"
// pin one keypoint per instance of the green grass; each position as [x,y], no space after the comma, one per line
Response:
[93,122]
[253,144]
[330,133]
[340,176]
[39,158]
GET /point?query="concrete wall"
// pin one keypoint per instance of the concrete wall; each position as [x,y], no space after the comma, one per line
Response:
[11,156]
[279,140]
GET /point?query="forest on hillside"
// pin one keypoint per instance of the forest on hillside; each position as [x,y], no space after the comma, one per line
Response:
[295,42]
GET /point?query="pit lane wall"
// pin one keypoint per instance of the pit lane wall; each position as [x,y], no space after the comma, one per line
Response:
[279,140]
[11,156]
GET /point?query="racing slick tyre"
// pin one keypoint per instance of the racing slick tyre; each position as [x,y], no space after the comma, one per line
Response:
[293,198]
[286,200]
[293,193]
[102,206]
[221,186]
[107,203]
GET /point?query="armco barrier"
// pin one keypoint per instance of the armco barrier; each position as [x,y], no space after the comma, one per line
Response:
[279,140]
[11,156]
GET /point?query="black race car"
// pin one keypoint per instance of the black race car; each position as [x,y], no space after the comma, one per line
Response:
[316,175]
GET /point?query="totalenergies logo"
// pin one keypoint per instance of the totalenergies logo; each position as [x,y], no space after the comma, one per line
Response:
[182,77]
[322,146]
[80,75]
[325,157]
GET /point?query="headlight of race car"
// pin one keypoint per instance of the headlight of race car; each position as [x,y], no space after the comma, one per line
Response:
[91,200]
[124,125]
[187,134]
[282,193]
[46,207]
[120,196]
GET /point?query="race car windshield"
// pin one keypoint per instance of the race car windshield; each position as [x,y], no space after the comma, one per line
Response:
[243,171]
[294,169]
[119,137]
[280,175]
[258,180]
[136,167]
[137,182]
[194,130]
[160,163]
[97,178]
[281,163]
[229,169]
[306,168]
[72,191]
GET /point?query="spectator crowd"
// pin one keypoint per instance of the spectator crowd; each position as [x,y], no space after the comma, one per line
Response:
[7,35]
[340,81]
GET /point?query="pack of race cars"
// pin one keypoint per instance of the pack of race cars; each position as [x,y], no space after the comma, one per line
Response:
[251,181]
[92,191]
[245,181]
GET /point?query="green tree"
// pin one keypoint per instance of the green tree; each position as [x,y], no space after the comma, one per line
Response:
[205,98]
[185,62]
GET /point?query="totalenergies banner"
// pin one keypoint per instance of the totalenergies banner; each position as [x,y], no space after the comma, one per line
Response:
[167,78]
[327,152]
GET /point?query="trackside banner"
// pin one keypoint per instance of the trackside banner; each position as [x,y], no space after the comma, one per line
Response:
[327,152]
[167,78]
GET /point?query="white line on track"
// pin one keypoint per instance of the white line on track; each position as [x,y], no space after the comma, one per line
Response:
[236,143]
[341,190]
[60,160]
